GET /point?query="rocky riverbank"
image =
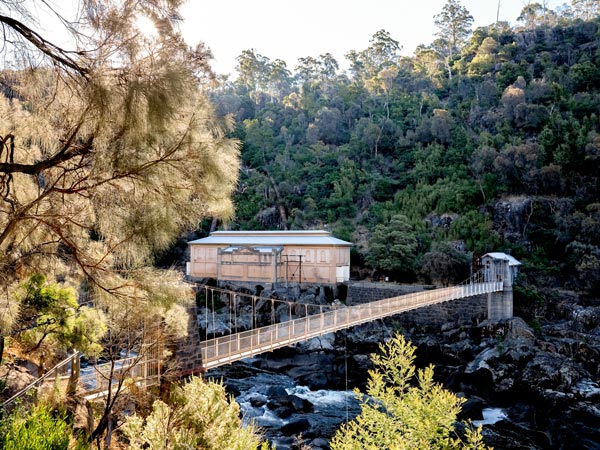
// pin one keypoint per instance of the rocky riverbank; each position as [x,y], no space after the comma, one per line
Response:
[544,375]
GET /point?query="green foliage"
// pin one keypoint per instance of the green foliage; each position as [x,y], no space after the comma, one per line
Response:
[445,264]
[51,312]
[37,429]
[475,229]
[199,416]
[404,408]
[43,298]
[454,129]
[454,24]
[393,247]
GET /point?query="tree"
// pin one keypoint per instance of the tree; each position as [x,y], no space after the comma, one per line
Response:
[404,408]
[585,9]
[38,428]
[108,151]
[445,264]
[454,24]
[49,311]
[393,247]
[383,52]
[199,416]
[536,14]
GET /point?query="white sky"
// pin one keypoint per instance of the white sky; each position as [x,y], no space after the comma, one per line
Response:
[281,29]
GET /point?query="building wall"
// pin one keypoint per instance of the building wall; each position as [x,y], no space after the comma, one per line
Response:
[319,264]
[204,261]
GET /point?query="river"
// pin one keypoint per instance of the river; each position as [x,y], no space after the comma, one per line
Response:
[254,388]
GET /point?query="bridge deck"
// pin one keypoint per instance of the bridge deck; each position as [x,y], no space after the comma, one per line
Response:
[234,347]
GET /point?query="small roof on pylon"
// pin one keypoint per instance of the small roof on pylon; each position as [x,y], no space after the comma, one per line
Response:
[512,261]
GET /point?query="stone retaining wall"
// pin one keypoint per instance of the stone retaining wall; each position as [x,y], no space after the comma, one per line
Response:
[365,292]
[465,311]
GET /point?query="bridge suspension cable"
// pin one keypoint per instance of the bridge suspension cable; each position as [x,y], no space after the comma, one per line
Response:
[260,337]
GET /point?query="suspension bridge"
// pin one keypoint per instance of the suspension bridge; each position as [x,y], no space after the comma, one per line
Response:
[254,329]
[324,319]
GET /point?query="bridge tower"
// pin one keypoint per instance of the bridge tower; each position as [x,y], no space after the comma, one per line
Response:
[500,267]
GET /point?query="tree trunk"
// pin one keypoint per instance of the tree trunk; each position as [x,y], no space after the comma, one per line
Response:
[280,205]
[213,224]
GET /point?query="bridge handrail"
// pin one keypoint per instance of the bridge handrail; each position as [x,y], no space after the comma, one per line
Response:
[39,381]
[133,367]
[284,333]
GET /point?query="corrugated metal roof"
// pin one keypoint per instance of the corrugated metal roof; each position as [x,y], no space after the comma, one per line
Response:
[257,248]
[272,238]
[512,261]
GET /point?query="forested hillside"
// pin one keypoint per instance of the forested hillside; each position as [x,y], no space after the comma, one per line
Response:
[478,142]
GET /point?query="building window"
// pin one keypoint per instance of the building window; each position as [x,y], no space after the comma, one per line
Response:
[323,256]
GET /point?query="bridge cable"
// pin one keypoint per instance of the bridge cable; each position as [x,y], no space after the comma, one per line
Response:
[230,304]
[206,313]
[346,371]
[213,314]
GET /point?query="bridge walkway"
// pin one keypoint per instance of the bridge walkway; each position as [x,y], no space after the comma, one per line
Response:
[237,346]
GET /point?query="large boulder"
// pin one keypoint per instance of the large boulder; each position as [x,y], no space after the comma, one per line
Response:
[295,427]
[292,402]
[15,377]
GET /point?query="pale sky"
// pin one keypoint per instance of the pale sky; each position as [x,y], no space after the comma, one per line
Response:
[282,29]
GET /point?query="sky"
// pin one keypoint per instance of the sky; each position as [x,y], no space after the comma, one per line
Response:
[288,30]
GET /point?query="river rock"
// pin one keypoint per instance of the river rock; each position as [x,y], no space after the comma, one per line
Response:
[325,342]
[276,391]
[507,435]
[295,427]
[551,371]
[472,409]
[283,412]
[293,402]
[319,444]
[258,400]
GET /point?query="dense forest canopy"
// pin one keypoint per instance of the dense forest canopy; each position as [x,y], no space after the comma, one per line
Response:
[480,141]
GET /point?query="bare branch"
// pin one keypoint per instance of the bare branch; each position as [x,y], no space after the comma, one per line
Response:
[55,53]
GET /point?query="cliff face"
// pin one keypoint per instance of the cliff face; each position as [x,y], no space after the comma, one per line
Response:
[511,217]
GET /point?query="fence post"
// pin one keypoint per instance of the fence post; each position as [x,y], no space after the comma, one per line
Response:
[74,376]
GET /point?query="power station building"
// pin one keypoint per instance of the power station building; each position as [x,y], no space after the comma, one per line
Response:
[311,256]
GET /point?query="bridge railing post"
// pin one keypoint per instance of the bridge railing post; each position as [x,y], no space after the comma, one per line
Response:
[306,325]
[322,325]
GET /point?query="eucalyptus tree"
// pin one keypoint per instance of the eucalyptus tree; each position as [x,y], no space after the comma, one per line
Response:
[454,27]
[253,70]
[585,9]
[536,14]
[454,24]
[382,52]
[393,247]
[109,149]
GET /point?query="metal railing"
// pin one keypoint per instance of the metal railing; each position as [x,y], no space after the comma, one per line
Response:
[96,379]
[226,349]
[100,378]
[61,371]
